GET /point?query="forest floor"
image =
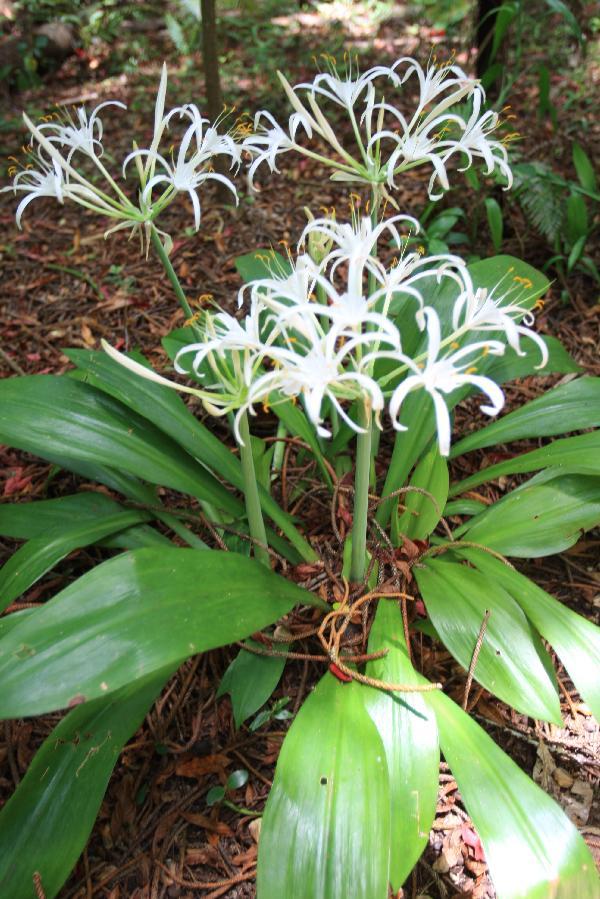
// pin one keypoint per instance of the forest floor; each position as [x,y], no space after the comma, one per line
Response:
[64,286]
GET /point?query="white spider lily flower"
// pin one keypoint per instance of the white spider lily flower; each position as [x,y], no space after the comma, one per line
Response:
[209,142]
[81,134]
[434,82]
[478,310]
[475,141]
[49,181]
[221,333]
[267,143]
[322,373]
[346,91]
[293,287]
[441,376]
[355,242]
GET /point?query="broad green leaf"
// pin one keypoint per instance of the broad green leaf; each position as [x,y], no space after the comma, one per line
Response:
[512,662]
[532,849]
[464,507]
[24,521]
[538,519]
[584,167]
[495,221]
[136,538]
[39,555]
[567,14]
[164,407]
[53,415]
[262,264]
[579,454]
[326,827]
[576,252]
[511,366]
[575,640]
[161,405]
[250,680]
[409,734]
[408,446]
[132,616]
[45,825]
[421,515]
[570,407]
[577,219]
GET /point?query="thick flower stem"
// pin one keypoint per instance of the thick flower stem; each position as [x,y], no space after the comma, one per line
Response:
[361,498]
[253,510]
[171,273]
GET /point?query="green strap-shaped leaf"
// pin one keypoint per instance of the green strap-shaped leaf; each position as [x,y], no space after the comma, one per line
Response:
[538,519]
[25,521]
[297,424]
[52,415]
[421,513]
[512,663]
[44,826]
[532,849]
[326,829]
[575,640]
[164,407]
[570,407]
[511,365]
[408,446]
[408,730]
[132,616]
[250,680]
[39,555]
[579,454]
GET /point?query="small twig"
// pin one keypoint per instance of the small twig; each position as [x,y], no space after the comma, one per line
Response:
[474,657]
[11,362]
[37,885]
[203,884]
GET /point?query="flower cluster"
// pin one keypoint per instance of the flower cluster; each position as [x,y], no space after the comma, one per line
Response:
[329,332]
[65,140]
[388,141]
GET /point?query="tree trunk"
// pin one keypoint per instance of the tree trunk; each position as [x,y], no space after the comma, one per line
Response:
[212,81]
[487,13]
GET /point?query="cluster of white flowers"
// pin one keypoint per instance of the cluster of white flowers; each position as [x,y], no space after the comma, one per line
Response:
[388,141]
[51,169]
[318,331]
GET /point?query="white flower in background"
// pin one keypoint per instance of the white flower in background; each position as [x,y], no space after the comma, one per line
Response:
[209,142]
[270,141]
[285,288]
[434,82]
[479,310]
[441,376]
[346,91]
[475,141]
[185,175]
[80,133]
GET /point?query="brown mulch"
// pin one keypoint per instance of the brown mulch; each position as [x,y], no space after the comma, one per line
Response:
[64,286]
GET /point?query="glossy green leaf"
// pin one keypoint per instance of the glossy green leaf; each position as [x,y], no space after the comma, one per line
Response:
[164,407]
[262,264]
[48,415]
[511,366]
[569,407]
[24,521]
[45,825]
[532,849]
[583,167]
[538,519]
[131,616]
[408,446]
[575,640]
[409,733]
[421,514]
[250,680]
[579,455]
[512,661]
[40,554]
[326,827]
[495,221]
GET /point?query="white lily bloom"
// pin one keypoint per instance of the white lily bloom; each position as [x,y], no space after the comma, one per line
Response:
[293,287]
[81,134]
[441,376]
[355,242]
[478,310]
[221,333]
[436,81]
[475,141]
[412,267]
[267,143]
[346,91]
[209,142]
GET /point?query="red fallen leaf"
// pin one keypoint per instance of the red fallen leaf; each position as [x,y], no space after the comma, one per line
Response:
[16,483]
[420,608]
[470,839]
[33,357]
[120,343]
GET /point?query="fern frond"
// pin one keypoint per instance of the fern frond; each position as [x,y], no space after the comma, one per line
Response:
[542,197]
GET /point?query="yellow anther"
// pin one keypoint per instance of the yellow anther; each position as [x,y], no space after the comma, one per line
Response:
[13,159]
[12,170]
[204,298]
[421,250]
[539,304]
[192,320]
[266,407]
[471,370]
[455,345]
